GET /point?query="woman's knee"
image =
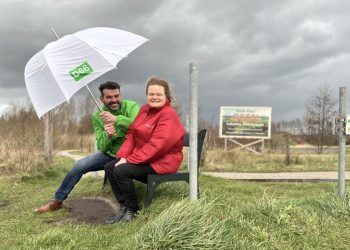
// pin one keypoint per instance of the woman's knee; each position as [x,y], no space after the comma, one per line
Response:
[121,170]
[109,166]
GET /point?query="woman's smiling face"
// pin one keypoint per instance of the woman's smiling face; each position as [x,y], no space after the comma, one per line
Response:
[156,96]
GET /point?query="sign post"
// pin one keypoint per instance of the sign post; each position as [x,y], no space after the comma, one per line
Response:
[193,130]
[341,153]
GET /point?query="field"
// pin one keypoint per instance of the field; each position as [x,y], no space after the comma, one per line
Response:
[229,215]
[240,161]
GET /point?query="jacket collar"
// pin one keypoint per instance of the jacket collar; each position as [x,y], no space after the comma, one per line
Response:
[150,110]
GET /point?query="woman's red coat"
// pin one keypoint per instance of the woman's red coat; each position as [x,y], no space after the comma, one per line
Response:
[155,138]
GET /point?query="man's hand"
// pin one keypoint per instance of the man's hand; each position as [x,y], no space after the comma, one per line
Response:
[121,161]
[110,130]
[107,117]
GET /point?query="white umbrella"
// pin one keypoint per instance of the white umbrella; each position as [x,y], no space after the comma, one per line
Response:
[63,67]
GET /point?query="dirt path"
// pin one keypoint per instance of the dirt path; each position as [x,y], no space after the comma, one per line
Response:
[68,153]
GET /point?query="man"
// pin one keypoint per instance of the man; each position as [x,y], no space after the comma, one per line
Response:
[110,126]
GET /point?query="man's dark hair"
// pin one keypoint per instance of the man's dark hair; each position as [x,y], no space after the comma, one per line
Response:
[108,85]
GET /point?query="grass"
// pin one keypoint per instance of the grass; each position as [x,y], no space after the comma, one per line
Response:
[238,161]
[187,225]
[17,157]
[230,215]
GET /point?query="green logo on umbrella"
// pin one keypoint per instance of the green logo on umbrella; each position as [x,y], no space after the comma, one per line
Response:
[81,71]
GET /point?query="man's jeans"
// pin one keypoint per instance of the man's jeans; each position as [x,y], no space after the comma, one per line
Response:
[94,162]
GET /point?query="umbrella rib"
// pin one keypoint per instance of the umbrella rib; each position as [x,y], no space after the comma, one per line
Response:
[111,51]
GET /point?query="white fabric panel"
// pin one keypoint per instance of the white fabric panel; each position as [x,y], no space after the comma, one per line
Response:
[68,53]
[113,43]
[43,91]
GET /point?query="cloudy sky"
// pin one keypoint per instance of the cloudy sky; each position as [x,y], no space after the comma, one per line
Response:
[249,53]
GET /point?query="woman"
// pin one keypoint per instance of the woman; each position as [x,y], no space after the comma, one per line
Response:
[153,145]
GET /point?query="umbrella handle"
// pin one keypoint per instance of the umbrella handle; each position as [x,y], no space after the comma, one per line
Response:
[98,106]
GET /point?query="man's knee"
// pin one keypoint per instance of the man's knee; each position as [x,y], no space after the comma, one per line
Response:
[78,166]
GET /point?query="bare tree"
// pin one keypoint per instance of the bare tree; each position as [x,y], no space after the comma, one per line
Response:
[65,117]
[293,127]
[320,109]
[86,108]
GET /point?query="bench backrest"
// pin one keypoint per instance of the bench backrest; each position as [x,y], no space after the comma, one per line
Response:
[200,143]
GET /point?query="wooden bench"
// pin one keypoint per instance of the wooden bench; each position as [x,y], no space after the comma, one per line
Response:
[153,180]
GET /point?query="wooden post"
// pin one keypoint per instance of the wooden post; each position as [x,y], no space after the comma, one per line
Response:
[287,149]
[48,133]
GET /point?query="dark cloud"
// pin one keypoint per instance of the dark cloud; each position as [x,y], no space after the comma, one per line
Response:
[262,53]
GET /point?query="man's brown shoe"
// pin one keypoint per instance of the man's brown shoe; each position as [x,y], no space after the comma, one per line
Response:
[51,206]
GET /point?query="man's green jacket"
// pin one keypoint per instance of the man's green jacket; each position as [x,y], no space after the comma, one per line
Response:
[125,116]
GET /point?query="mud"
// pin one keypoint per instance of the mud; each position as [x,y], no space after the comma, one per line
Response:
[90,210]
[4,203]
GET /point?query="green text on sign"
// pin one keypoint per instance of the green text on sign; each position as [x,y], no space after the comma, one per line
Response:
[81,71]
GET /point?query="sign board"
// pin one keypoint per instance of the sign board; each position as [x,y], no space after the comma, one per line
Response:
[347,125]
[245,122]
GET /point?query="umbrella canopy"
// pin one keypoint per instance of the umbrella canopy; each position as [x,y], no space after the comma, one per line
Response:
[63,67]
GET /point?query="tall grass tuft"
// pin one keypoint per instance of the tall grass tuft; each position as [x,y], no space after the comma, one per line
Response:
[184,225]
[332,205]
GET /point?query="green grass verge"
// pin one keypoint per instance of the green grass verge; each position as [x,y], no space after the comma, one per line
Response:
[229,215]
[236,161]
